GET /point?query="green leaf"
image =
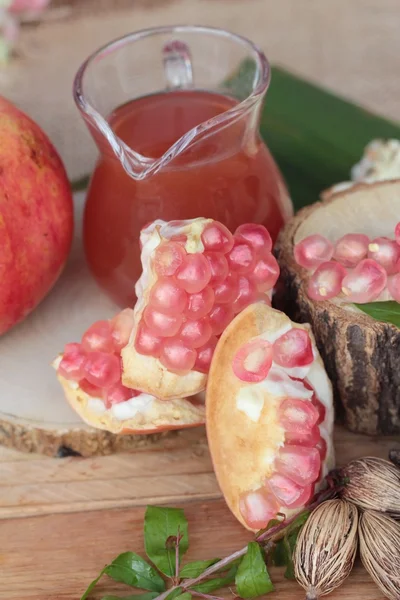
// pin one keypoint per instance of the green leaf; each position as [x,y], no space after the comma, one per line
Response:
[196,568]
[133,570]
[252,578]
[282,554]
[184,596]
[278,555]
[289,543]
[92,585]
[217,583]
[387,312]
[174,594]
[160,525]
[146,596]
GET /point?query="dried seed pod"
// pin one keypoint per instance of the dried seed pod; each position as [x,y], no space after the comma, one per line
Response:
[326,548]
[380,551]
[373,484]
[394,455]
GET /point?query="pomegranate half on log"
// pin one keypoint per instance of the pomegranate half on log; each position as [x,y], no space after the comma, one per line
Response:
[336,254]
[90,374]
[196,277]
[269,416]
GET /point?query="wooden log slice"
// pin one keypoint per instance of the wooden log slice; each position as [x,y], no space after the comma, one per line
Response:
[361,355]
[34,414]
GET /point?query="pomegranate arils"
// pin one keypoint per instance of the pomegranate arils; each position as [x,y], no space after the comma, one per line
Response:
[118,393]
[200,304]
[161,324]
[98,337]
[241,258]
[288,492]
[397,233]
[146,342]
[265,272]
[218,265]
[102,369]
[194,273]
[365,282]
[326,281]
[226,291]
[72,362]
[298,415]
[168,258]
[386,252]
[320,408]
[293,349]
[322,448]
[312,251]
[258,508]
[246,294]
[220,317]
[176,356]
[299,463]
[394,286]
[217,238]
[167,297]
[196,333]
[122,325]
[309,439]
[90,389]
[253,361]
[256,235]
[351,248]
[204,355]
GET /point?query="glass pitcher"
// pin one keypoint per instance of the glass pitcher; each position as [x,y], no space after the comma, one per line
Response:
[175,113]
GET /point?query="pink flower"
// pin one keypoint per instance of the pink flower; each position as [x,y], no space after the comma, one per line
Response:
[33,6]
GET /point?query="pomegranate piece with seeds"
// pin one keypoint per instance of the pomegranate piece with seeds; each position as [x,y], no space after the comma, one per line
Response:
[351,249]
[312,251]
[365,282]
[253,361]
[385,252]
[326,281]
[293,349]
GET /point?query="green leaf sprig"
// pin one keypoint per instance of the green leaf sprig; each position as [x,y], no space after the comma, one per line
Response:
[387,312]
[166,542]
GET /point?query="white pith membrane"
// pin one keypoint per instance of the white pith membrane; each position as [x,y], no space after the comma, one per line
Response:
[146,372]
[369,209]
[244,420]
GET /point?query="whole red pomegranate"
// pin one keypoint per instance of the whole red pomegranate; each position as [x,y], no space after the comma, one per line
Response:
[36,215]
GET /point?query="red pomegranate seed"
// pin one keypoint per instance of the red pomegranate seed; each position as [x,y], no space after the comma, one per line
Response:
[98,337]
[265,272]
[298,415]
[200,304]
[247,294]
[195,334]
[102,369]
[218,265]
[312,251]
[220,316]
[118,393]
[122,325]
[309,439]
[351,248]
[217,238]
[287,492]
[365,282]
[204,356]
[226,291]
[161,324]
[72,362]
[397,233]
[176,356]
[241,258]
[386,252]
[256,235]
[253,361]
[90,389]
[168,258]
[179,238]
[320,408]
[326,281]
[322,448]
[258,508]
[167,297]
[299,463]
[194,273]
[393,285]
[293,349]
[146,342]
